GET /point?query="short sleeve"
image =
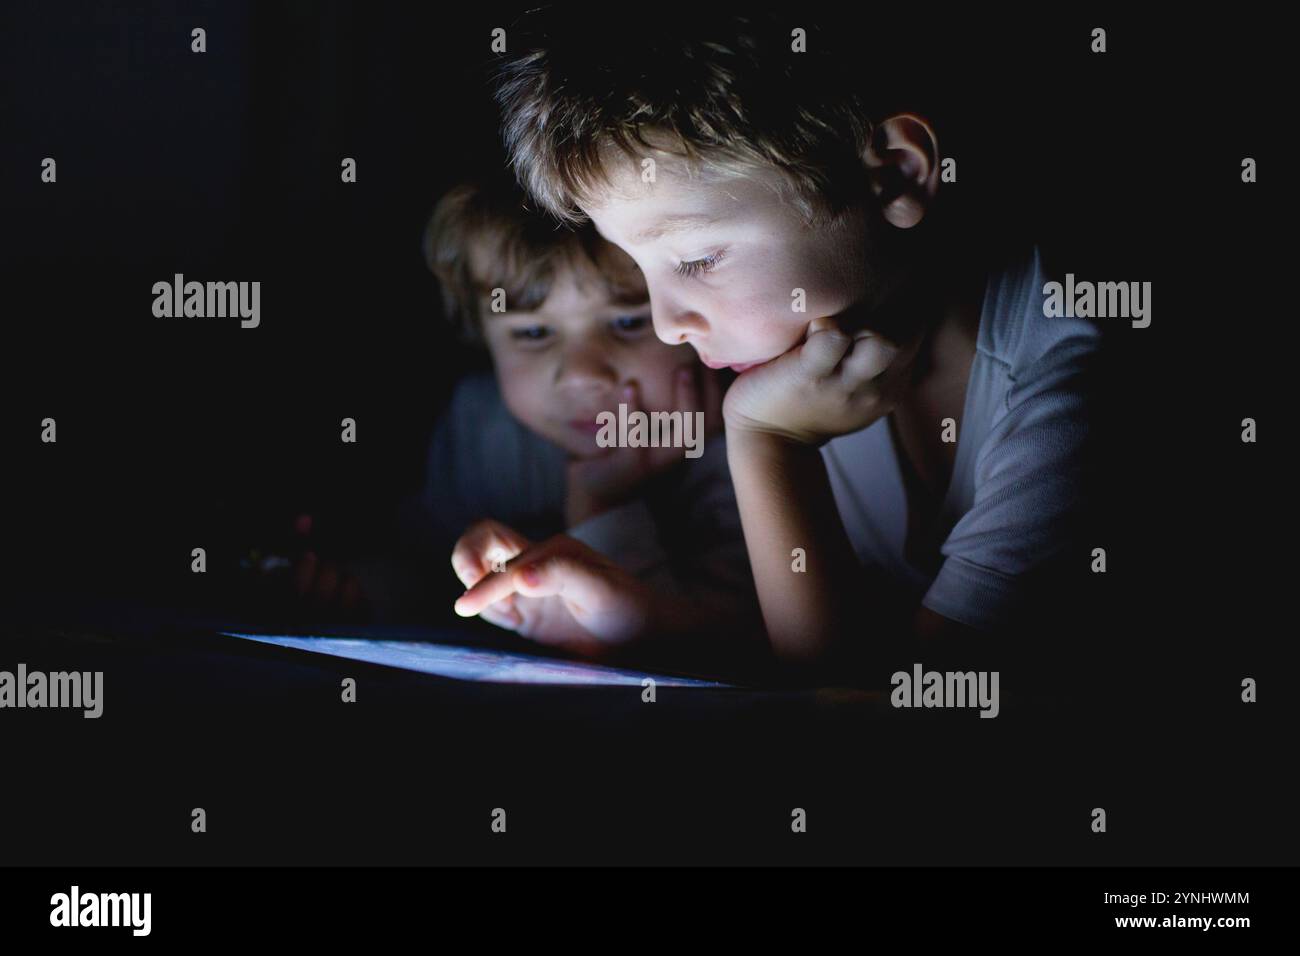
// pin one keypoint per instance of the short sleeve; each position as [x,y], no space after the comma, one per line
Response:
[1030,487]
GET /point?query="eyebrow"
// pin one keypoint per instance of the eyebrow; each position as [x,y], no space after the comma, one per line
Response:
[674,223]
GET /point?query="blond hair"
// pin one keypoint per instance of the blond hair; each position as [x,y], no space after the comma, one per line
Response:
[482,237]
[731,96]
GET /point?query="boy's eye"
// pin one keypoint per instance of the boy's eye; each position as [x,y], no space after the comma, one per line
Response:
[698,266]
[530,333]
[630,323]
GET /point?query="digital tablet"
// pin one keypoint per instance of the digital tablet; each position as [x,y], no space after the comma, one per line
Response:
[473,663]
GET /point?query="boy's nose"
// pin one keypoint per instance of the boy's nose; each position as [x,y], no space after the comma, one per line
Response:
[583,366]
[677,326]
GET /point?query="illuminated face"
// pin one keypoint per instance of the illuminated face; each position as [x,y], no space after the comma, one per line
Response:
[724,258]
[562,364]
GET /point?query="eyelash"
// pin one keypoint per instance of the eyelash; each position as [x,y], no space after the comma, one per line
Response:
[698,266]
[640,321]
[521,335]
[534,335]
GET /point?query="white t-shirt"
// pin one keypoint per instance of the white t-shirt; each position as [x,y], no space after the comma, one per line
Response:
[1016,480]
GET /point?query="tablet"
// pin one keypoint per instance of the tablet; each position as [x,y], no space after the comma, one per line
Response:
[474,663]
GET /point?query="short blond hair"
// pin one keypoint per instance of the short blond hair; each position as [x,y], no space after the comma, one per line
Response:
[482,236]
[731,95]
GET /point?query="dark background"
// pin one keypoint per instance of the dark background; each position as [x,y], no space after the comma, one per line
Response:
[179,432]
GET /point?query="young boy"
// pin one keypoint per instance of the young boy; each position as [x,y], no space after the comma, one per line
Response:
[778,229]
[565,318]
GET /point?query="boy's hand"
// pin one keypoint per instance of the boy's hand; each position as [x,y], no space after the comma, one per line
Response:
[831,384]
[314,586]
[559,592]
[328,584]
[595,485]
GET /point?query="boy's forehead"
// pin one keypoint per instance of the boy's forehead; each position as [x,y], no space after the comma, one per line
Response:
[672,198]
[670,190]
[578,294]
[641,179]
[673,223]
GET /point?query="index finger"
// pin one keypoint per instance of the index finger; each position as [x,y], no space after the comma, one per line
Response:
[495,586]
[490,589]
[483,544]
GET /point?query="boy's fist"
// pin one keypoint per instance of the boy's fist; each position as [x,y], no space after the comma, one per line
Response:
[831,384]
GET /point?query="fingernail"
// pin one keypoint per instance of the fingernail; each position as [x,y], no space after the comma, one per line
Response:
[531,576]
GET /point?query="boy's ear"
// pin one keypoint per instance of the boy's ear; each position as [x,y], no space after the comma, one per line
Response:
[903,161]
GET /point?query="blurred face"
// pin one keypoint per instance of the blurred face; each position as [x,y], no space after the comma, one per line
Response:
[723,258]
[559,366]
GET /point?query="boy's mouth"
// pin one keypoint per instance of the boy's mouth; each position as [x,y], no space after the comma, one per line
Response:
[737,367]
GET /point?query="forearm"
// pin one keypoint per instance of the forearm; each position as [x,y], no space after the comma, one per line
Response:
[786,503]
[684,633]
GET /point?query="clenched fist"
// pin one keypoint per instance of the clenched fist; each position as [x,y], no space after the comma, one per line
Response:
[831,384]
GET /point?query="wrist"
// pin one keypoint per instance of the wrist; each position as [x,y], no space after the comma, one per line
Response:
[742,427]
[751,439]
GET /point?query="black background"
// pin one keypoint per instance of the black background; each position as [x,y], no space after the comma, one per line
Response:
[225,166]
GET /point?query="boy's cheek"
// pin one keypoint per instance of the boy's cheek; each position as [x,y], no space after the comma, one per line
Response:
[652,365]
[777,336]
[772,318]
[526,395]
[530,398]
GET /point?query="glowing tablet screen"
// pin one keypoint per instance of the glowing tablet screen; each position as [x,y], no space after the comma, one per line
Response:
[473,663]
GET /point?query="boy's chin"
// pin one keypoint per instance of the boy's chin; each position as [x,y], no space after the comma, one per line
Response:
[572,442]
[583,447]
